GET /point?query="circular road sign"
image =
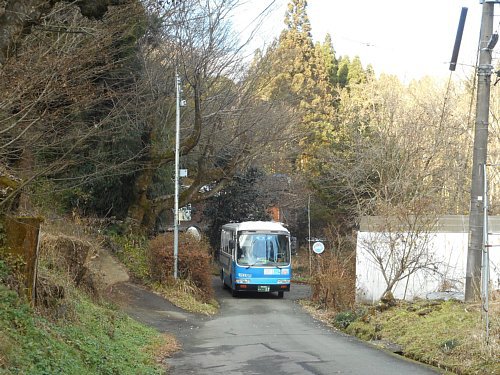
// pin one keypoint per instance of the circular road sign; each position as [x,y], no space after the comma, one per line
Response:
[318,247]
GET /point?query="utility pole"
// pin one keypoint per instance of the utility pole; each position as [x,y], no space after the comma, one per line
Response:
[176,195]
[485,269]
[476,218]
[309,235]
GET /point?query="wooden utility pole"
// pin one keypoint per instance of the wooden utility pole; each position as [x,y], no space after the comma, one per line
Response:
[476,218]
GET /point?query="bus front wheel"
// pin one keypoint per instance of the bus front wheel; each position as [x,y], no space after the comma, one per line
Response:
[281,294]
[234,292]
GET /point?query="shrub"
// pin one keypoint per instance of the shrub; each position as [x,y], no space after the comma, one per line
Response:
[193,262]
[343,319]
[4,270]
[132,251]
[11,272]
[334,284]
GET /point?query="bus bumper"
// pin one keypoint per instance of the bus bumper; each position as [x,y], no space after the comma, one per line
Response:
[262,287]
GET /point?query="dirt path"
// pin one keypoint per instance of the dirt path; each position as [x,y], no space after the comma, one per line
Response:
[107,269]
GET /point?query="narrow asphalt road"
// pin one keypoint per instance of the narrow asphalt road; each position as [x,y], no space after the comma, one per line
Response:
[261,334]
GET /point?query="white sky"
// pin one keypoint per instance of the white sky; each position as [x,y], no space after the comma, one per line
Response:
[411,39]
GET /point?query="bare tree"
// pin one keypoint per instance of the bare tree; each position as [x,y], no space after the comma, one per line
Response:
[404,162]
[401,245]
[85,101]
[60,95]
[225,125]
[18,17]
[402,146]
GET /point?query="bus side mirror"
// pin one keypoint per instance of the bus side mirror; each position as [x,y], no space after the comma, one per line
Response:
[231,244]
[293,245]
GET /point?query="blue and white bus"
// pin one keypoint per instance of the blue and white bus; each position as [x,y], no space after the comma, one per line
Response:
[255,256]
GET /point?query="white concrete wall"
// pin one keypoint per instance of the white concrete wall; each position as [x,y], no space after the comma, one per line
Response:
[449,249]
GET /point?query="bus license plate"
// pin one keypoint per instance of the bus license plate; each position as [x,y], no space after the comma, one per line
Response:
[263,288]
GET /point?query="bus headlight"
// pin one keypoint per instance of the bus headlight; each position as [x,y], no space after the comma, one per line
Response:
[242,281]
[283,281]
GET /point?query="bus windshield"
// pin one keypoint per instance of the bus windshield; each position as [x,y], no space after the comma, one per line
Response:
[263,249]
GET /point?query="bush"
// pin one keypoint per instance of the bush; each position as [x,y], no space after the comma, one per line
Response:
[4,270]
[132,251]
[343,319]
[11,272]
[193,262]
[334,285]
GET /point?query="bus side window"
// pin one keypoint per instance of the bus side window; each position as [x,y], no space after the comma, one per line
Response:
[225,241]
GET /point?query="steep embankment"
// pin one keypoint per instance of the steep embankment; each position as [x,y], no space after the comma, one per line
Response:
[73,330]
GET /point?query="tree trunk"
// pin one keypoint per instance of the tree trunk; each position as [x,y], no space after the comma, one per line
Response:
[143,212]
[141,204]
[22,241]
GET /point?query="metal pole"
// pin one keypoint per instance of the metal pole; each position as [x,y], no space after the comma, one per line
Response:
[177,141]
[476,220]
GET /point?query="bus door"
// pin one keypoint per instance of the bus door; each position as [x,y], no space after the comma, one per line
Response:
[226,256]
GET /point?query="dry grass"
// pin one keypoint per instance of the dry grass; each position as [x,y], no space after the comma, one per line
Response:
[5,347]
[300,266]
[166,346]
[65,261]
[76,228]
[184,294]
[320,313]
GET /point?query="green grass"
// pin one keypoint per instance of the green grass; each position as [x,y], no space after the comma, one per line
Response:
[301,279]
[95,340]
[134,254]
[447,334]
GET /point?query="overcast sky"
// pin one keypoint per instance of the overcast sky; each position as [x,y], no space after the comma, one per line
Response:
[408,38]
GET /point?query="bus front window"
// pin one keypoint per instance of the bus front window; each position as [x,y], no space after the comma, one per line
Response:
[263,249]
